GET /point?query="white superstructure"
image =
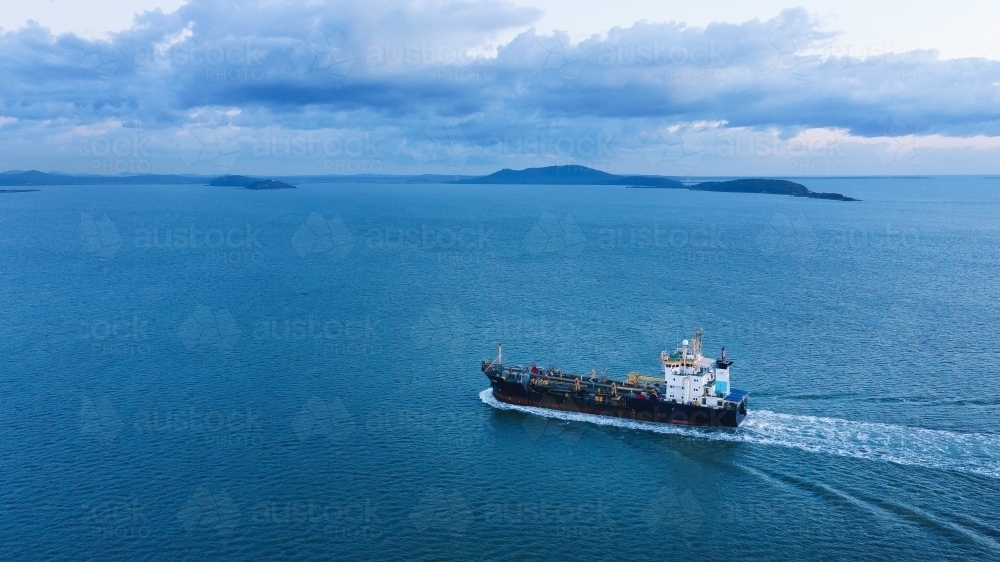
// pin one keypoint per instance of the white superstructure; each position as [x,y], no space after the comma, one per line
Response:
[691,378]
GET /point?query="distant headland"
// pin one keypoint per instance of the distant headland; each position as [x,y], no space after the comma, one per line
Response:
[549,175]
[250,183]
[582,175]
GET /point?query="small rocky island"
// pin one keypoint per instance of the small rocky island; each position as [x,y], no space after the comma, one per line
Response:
[247,182]
[270,184]
[233,181]
[774,187]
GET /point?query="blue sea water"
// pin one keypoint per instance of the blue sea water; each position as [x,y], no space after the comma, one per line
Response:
[193,372]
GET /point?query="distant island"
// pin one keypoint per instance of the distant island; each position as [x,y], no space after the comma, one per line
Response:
[249,183]
[548,175]
[582,175]
[774,187]
[18,190]
[269,184]
[34,177]
[233,181]
[570,175]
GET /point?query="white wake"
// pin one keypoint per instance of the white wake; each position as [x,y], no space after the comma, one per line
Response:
[973,452]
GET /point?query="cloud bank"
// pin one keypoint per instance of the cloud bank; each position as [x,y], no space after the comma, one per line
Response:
[464,87]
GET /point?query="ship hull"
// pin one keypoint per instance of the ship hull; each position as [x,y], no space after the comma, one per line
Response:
[633,408]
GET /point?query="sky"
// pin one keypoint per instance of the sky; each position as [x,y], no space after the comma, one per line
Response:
[716,88]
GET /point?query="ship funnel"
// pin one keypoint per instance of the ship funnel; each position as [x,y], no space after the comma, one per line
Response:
[723,362]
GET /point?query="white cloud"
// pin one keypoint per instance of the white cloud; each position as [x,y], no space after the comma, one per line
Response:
[94,19]
[961,28]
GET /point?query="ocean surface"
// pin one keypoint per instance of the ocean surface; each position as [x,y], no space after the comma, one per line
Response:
[209,373]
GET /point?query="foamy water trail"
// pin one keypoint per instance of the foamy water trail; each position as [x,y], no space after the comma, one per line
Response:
[974,453]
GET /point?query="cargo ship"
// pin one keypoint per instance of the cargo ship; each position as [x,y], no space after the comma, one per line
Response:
[693,390]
